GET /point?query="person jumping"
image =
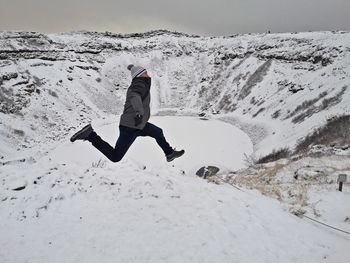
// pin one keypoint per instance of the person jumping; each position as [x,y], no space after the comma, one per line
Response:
[133,122]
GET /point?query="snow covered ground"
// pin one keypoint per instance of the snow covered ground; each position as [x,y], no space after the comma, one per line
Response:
[79,207]
[144,217]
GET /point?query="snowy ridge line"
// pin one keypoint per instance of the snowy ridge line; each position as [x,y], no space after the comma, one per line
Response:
[319,222]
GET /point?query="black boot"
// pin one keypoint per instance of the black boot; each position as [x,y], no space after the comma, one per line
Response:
[175,154]
[83,134]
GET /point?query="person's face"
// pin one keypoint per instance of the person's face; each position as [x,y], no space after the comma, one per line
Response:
[145,75]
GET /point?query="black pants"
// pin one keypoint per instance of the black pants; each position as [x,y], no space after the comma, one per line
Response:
[126,137]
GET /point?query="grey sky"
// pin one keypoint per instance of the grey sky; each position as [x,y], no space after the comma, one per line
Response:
[219,17]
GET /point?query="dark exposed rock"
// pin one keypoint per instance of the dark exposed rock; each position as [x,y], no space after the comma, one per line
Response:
[88,67]
[292,87]
[30,88]
[21,83]
[295,88]
[207,171]
[20,188]
[18,132]
[10,76]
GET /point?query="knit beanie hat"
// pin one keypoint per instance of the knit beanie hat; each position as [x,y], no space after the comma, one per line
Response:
[136,71]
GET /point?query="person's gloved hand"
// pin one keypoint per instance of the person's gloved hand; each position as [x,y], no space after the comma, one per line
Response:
[138,119]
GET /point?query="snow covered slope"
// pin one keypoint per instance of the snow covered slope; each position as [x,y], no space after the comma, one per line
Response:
[65,202]
[77,207]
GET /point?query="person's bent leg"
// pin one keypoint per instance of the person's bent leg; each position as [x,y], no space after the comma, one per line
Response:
[157,133]
[126,138]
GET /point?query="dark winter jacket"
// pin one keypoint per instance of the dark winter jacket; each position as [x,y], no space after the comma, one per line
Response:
[137,102]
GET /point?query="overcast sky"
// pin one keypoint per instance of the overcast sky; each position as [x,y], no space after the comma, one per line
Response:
[204,17]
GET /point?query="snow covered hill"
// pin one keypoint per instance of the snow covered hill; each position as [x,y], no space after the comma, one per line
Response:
[287,84]
[64,201]
[77,206]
